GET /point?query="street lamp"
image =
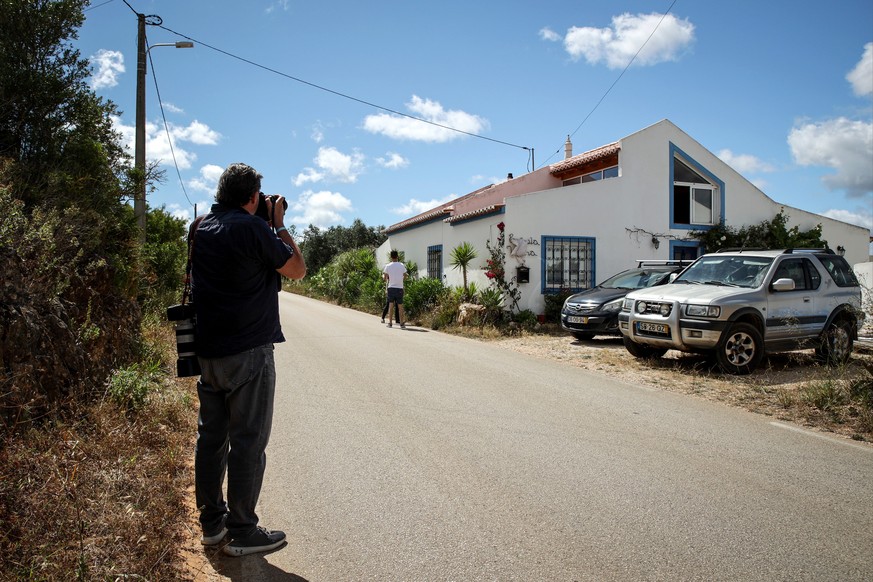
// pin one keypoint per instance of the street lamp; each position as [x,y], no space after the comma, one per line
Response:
[139,199]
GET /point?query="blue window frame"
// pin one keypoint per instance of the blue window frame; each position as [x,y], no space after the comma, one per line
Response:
[435,262]
[697,196]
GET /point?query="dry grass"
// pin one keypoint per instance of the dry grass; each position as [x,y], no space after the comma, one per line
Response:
[98,492]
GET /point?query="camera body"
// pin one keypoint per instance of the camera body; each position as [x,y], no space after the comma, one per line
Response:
[183,315]
[262,211]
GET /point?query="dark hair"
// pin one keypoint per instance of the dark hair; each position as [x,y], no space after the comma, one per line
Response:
[237,184]
[394,254]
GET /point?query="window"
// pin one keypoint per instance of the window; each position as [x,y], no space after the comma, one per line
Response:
[695,199]
[435,262]
[839,270]
[684,251]
[592,176]
[801,271]
[568,263]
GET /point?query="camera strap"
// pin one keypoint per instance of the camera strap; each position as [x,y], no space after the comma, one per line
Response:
[192,233]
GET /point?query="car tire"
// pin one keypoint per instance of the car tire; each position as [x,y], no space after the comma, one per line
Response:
[583,335]
[642,351]
[740,349]
[836,343]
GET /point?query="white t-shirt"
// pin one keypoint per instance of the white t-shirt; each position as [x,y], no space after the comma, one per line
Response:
[395,272]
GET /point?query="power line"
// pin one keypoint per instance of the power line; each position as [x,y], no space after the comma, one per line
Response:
[614,83]
[167,127]
[344,95]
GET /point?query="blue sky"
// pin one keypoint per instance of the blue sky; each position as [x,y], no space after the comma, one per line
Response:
[309,94]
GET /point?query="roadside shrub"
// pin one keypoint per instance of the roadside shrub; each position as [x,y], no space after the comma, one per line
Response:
[492,300]
[348,275]
[554,304]
[129,387]
[421,295]
[526,319]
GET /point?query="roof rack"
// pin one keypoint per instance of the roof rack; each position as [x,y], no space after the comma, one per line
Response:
[825,250]
[741,249]
[665,263]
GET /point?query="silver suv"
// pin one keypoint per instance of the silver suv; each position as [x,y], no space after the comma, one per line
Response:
[739,304]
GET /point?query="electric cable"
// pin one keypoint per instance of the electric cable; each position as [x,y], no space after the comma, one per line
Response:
[339,94]
[167,126]
[614,83]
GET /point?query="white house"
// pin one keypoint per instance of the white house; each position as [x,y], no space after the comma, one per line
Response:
[581,220]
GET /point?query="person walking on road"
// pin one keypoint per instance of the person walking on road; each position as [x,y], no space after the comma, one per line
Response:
[395,274]
[237,267]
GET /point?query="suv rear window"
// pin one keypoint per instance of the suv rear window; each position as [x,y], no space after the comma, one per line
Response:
[839,270]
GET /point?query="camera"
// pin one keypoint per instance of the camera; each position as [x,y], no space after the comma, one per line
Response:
[262,212]
[183,315]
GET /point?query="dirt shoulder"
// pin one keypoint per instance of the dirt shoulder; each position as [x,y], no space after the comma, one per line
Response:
[791,387]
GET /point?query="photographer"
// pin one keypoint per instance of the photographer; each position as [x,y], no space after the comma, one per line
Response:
[237,264]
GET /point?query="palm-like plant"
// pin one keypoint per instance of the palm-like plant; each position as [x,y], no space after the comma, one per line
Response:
[462,255]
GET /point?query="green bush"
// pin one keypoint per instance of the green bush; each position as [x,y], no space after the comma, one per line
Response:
[421,295]
[554,304]
[130,387]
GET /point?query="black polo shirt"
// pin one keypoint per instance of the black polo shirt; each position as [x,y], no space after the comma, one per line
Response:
[234,282]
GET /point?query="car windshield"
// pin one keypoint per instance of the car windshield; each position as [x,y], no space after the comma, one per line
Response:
[734,271]
[635,279]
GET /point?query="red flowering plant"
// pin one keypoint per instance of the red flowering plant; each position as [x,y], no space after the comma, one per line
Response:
[495,270]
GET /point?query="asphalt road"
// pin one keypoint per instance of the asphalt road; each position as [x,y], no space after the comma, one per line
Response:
[414,455]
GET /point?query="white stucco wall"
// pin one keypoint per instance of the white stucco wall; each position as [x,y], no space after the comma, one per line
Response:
[620,214]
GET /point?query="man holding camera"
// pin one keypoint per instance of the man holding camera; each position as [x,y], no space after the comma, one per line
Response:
[237,268]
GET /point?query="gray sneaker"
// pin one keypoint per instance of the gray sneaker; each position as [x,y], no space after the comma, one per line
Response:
[263,540]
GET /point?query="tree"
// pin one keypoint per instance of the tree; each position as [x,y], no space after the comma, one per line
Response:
[769,234]
[461,256]
[57,131]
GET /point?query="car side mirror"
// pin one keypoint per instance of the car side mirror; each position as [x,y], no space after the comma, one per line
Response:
[784,284]
[673,277]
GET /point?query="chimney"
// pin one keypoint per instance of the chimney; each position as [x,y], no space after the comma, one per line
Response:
[568,149]
[509,176]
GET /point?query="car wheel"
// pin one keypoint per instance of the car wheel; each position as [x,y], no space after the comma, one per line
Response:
[836,343]
[583,335]
[740,350]
[642,351]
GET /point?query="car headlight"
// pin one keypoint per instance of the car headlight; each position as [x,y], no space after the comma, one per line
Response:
[702,310]
[627,305]
[614,305]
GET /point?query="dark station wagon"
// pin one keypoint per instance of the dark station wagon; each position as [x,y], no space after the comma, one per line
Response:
[595,311]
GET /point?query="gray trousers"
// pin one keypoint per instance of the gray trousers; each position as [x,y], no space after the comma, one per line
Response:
[236,414]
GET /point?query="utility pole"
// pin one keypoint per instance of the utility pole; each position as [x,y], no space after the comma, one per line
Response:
[139,198]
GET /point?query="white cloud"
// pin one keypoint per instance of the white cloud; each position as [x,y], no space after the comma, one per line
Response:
[393,161]
[744,163]
[399,127]
[109,64]
[158,147]
[861,77]
[860,218]
[172,108]
[617,45]
[283,5]
[415,207]
[841,144]
[308,175]
[207,181]
[547,33]
[332,164]
[317,134]
[323,209]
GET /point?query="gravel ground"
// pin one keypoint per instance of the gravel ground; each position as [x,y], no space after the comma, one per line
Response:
[786,386]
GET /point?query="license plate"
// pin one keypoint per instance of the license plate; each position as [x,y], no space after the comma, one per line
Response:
[658,328]
[577,319]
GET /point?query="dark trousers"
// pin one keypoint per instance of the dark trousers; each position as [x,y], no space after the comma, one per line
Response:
[396,310]
[236,414]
